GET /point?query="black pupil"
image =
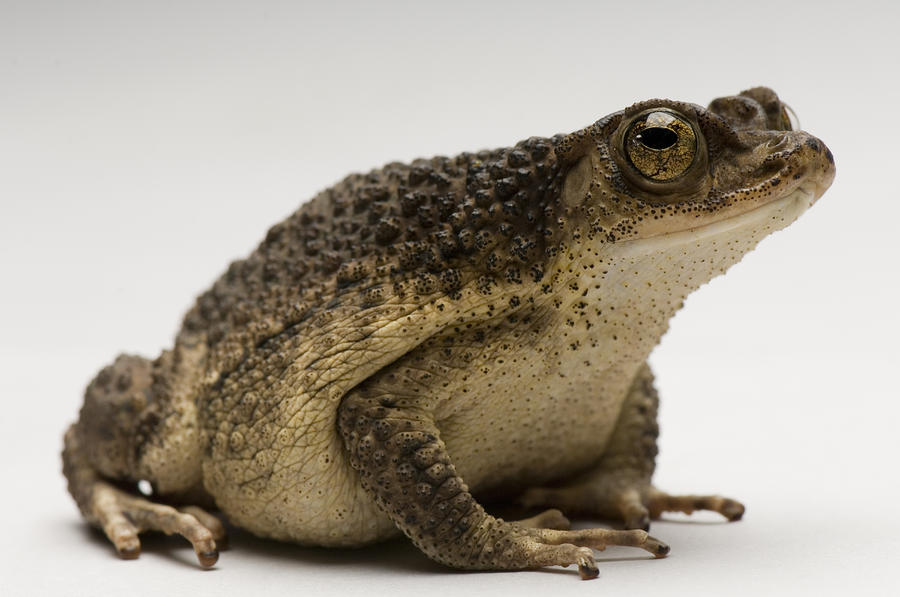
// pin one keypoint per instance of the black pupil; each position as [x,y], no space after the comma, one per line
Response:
[658,137]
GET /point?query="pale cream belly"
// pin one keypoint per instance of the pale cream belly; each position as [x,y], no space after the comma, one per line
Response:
[528,418]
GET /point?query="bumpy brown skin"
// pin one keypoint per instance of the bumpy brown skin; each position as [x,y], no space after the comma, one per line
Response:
[478,321]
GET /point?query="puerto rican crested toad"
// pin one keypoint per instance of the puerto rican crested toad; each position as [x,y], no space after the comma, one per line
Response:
[428,334]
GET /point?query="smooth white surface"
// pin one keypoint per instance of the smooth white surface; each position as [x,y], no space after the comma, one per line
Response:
[144,145]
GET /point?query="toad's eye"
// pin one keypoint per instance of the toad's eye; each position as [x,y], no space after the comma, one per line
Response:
[661,145]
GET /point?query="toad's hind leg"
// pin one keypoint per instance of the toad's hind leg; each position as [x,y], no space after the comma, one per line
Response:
[396,449]
[101,463]
[619,487]
[123,515]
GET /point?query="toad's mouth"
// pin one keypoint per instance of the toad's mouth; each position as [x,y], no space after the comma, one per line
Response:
[770,217]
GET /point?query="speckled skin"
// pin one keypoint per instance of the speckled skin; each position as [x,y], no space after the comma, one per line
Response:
[423,334]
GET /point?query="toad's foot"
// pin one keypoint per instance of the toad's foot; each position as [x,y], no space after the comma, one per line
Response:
[548,547]
[634,507]
[122,515]
[660,501]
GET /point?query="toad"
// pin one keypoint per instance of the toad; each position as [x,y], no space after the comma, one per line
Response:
[424,336]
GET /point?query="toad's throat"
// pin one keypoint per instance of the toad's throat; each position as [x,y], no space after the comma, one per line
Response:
[773,216]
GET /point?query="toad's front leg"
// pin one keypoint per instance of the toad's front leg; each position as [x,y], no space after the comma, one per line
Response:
[404,465]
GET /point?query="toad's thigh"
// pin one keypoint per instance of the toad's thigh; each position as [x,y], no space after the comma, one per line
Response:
[300,488]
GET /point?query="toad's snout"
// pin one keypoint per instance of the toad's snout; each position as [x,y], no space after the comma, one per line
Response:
[795,159]
[809,163]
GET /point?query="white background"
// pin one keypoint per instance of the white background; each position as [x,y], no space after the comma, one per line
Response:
[143,147]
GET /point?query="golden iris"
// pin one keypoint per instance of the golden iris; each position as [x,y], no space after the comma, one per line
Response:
[661,145]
